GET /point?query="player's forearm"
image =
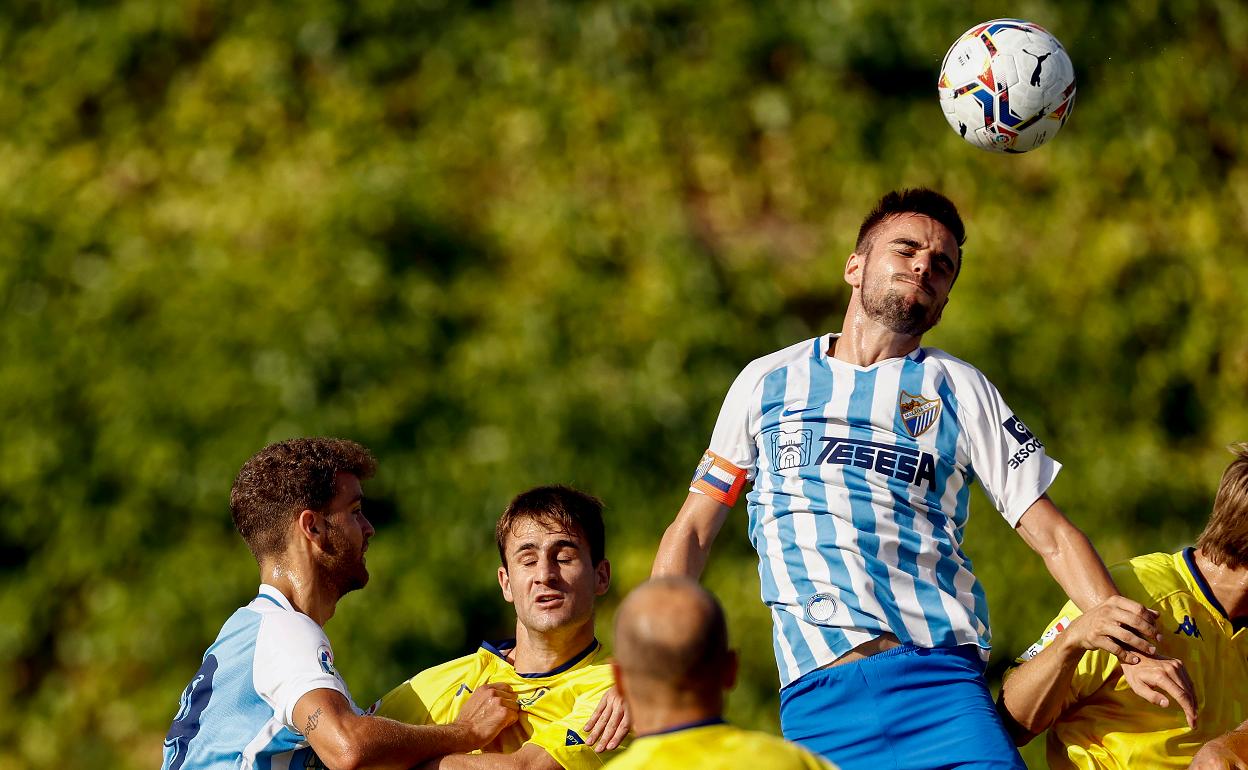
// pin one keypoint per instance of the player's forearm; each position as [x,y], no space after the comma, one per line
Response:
[1077,567]
[376,742]
[1034,692]
[680,553]
[686,545]
[529,757]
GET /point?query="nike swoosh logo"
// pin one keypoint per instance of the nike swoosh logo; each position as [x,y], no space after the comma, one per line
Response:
[791,412]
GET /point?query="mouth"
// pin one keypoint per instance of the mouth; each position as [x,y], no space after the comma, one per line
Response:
[920,286]
[548,600]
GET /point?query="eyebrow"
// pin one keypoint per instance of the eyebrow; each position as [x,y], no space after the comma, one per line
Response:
[910,242]
[532,546]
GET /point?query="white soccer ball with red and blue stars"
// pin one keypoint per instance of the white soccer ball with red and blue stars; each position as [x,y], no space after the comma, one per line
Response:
[1007,85]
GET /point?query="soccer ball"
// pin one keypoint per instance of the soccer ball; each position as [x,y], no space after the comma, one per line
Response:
[1007,85]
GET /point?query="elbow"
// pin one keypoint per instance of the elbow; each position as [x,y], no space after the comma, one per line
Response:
[344,754]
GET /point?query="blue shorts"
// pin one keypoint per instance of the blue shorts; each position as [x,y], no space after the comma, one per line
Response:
[909,708]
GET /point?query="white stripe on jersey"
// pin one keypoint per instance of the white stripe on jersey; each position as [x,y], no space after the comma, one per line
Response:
[875,514]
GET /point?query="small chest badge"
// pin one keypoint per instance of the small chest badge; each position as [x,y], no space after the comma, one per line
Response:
[918,413]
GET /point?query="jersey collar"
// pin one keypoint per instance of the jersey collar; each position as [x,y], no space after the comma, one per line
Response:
[501,647]
[1205,592]
[271,594]
[686,726]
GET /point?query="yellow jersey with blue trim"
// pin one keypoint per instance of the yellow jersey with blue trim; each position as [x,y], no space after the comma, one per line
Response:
[554,705]
[1106,725]
[715,745]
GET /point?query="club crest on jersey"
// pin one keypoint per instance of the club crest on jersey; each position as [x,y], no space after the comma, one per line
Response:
[918,413]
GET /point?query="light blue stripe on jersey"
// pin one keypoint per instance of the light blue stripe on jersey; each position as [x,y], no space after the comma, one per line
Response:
[790,632]
[861,507]
[910,543]
[819,393]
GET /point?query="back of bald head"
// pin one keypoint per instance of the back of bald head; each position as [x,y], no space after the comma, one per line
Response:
[671,632]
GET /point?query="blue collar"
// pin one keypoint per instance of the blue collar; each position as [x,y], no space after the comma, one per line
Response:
[501,647]
[1189,557]
[686,726]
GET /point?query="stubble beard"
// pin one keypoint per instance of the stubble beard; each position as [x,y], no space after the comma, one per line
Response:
[899,314]
[345,565]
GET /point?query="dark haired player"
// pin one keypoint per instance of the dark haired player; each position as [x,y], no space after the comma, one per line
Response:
[552,548]
[267,693]
[861,447]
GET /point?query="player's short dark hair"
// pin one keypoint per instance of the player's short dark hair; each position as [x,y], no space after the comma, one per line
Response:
[1225,539]
[569,509]
[285,478]
[918,200]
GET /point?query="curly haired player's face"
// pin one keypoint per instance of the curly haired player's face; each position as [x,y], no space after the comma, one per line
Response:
[550,576]
[905,278]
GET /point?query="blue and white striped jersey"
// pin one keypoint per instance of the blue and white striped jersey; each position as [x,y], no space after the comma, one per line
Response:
[238,710]
[859,504]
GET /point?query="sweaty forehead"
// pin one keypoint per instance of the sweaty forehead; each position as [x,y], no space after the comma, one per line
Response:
[539,532]
[919,227]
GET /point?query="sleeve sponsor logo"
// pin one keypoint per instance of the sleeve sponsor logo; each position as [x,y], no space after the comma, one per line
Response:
[1045,640]
[1028,443]
[325,657]
[573,739]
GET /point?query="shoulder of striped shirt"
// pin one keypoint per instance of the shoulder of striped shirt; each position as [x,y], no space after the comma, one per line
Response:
[762,366]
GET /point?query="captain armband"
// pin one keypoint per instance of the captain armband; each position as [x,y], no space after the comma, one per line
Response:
[718,479]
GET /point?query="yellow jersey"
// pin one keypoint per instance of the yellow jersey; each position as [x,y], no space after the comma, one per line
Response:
[1106,725]
[554,705]
[715,745]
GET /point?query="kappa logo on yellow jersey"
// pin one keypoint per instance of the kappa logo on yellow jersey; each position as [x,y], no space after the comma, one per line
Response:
[1188,627]
[528,700]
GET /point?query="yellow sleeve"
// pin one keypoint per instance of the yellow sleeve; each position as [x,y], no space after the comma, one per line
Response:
[405,704]
[565,739]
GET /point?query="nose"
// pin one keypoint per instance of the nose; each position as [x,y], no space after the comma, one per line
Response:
[368,527]
[921,264]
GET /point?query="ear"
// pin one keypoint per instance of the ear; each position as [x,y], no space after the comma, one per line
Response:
[731,664]
[853,270]
[310,526]
[602,577]
[619,680]
[504,582]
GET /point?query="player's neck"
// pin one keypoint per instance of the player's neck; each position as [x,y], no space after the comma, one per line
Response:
[539,651]
[864,341]
[314,598]
[1229,586]
[662,717]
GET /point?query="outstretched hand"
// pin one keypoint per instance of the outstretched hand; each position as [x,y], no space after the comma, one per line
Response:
[1157,676]
[609,723]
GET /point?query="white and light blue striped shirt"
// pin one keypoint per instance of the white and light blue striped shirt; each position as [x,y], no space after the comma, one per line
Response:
[238,710]
[860,496]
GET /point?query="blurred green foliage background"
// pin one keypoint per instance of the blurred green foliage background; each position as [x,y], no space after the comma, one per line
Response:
[511,243]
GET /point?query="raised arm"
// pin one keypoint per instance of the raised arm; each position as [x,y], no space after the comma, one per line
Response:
[1078,569]
[1123,627]
[345,740]
[1034,694]
[686,544]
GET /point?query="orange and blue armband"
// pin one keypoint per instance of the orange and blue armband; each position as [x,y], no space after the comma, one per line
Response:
[718,479]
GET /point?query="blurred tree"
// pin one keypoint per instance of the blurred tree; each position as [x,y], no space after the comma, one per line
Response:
[513,243]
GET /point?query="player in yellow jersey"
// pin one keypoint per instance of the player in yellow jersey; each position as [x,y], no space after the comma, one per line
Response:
[552,547]
[1201,597]
[673,666]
